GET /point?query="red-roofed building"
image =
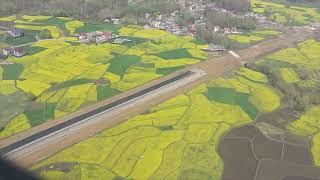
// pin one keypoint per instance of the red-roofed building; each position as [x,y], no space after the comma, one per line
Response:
[107,34]
[227,30]
[18,52]
[192,32]
[83,36]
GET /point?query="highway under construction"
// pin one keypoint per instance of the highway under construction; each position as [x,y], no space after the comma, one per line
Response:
[28,147]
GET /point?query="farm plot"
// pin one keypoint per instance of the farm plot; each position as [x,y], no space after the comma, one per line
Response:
[8,19]
[309,125]
[174,140]
[53,29]
[298,65]
[64,25]
[254,37]
[32,25]
[286,14]
[61,76]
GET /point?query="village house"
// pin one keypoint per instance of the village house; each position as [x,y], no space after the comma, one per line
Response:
[18,52]
[113,20]
[315,26]
[147,16]
[156,24]
[226,30]
[107,20]
[217,29]
[7,51]
[133,2]
[103,37]
[87,37]
[14,32]
[235,30]
[192,32]
[159,17]
[83,36]
[163,26]
[2,57]
[175,13]
[214,48]
[121,41]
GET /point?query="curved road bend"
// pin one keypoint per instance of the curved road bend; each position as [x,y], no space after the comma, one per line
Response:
[66,128]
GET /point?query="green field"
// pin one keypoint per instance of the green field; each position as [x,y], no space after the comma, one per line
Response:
[178,138]
[62,75]
[299,67]
[174,140]
[286,14]
[309,125]
[254,36]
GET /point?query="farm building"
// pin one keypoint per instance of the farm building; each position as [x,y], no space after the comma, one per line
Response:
[18,52]
[217,29]
[14,32]
[7,51]
[121,41]
[83,36]
[113,20]
[213,48]
[103,37]
[2,57]
[107,20]
[96,37]
[227,30]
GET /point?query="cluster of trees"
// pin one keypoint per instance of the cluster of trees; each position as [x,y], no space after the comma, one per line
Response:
[301,1]
[154,7]
[233,5]
[290,19]
[225,20]
[75,8]
[44,34]
[86,9]
[210,36]
[293,95]
[186,18]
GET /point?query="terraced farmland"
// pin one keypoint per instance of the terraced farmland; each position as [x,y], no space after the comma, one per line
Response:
[59,76]
[174,140]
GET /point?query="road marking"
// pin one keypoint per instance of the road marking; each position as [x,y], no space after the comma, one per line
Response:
[234,54]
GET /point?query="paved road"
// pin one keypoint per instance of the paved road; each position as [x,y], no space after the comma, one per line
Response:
[4,28]
[26,152]
[38,140]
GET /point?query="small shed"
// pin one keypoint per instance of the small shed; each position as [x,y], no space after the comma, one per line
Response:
[14,32]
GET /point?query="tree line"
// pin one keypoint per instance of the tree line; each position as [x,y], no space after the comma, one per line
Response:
[233,5]
[85,9]
[227,20]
